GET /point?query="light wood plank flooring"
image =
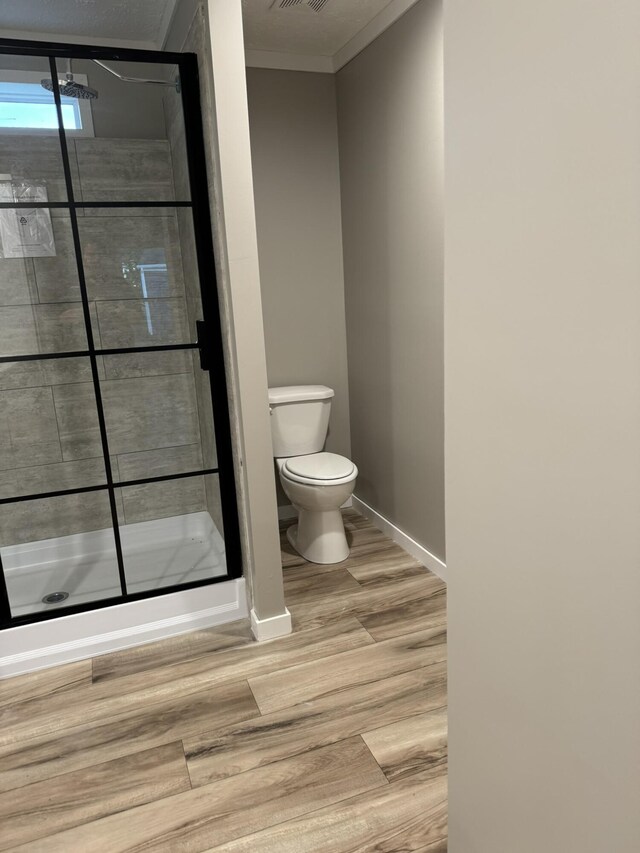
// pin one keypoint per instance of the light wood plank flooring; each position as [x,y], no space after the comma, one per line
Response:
[331,739]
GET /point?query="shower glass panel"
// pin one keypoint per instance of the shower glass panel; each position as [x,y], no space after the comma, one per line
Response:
[152,418]
[49,432]
[80,565]
[166,513]
[150,161]
[40,307]
[134,272]
[116,479]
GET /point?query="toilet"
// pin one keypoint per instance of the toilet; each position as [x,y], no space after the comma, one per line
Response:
[316,482]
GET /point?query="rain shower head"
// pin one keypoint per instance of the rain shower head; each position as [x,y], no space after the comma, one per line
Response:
[70,88]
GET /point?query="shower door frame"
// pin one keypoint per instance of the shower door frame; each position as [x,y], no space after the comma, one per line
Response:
[209,330]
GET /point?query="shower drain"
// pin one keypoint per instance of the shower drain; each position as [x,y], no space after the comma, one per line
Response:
[55,597]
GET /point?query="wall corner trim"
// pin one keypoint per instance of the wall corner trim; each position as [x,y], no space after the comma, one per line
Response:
[288,61]
[272,627]
[433,563]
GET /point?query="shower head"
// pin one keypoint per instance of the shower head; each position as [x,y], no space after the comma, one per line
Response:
[70,88]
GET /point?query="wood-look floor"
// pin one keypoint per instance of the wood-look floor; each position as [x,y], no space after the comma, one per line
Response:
[331,739]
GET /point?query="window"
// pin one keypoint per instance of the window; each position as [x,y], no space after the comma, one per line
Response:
[26,107]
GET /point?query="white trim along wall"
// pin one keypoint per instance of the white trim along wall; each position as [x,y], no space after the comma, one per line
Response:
[433,563]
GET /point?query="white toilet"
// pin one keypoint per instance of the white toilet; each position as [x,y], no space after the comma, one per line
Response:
[317,483]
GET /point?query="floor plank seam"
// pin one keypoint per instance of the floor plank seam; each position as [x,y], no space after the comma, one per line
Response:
[260,714]
[368,748]
[186,764]
[357,618]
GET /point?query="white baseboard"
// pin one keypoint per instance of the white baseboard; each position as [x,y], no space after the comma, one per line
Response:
[287,511]
[433,563]
[27,648]
[272,627]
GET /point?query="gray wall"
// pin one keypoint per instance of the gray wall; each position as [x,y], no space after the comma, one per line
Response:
[294,147]
[390,126]
[543,424]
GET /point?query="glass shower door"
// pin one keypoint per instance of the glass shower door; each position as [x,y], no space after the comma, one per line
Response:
[116,479]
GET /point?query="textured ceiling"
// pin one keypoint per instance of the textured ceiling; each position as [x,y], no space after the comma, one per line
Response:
[299,29]
[127,20]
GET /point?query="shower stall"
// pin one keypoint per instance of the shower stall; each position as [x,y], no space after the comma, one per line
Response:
[116,469]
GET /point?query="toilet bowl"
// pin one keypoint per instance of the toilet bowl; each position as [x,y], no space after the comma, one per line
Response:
[317,485]
[316,482]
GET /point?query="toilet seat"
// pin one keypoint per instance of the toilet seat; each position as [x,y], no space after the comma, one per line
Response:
[319,469]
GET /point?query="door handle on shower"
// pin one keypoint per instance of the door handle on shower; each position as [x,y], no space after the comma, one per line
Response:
[202,340]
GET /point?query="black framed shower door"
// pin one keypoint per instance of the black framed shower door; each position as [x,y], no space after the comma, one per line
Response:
[127,301]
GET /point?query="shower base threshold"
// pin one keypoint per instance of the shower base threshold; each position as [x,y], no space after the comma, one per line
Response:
[159,553]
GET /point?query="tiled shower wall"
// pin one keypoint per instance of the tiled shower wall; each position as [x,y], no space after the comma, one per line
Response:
[157,405]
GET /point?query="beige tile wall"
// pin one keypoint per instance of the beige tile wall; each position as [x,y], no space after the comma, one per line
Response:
[154,404]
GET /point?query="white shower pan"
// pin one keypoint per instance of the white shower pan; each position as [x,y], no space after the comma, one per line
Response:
[157,554]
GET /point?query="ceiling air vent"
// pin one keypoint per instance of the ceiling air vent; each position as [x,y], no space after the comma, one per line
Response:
[316,5]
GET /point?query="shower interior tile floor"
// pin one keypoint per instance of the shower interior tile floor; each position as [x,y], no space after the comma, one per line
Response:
[331,739]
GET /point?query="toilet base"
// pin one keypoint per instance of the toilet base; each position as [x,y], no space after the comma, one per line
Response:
[319,537]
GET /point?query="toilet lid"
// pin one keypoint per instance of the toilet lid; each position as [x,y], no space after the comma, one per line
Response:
[320,466]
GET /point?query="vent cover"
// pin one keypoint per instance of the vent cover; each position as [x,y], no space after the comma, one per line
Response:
[316,5]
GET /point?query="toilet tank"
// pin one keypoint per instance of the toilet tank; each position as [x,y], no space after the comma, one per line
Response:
[299,418]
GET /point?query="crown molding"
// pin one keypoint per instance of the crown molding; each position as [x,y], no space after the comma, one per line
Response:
[330,64]
[288,61]
[376,26]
